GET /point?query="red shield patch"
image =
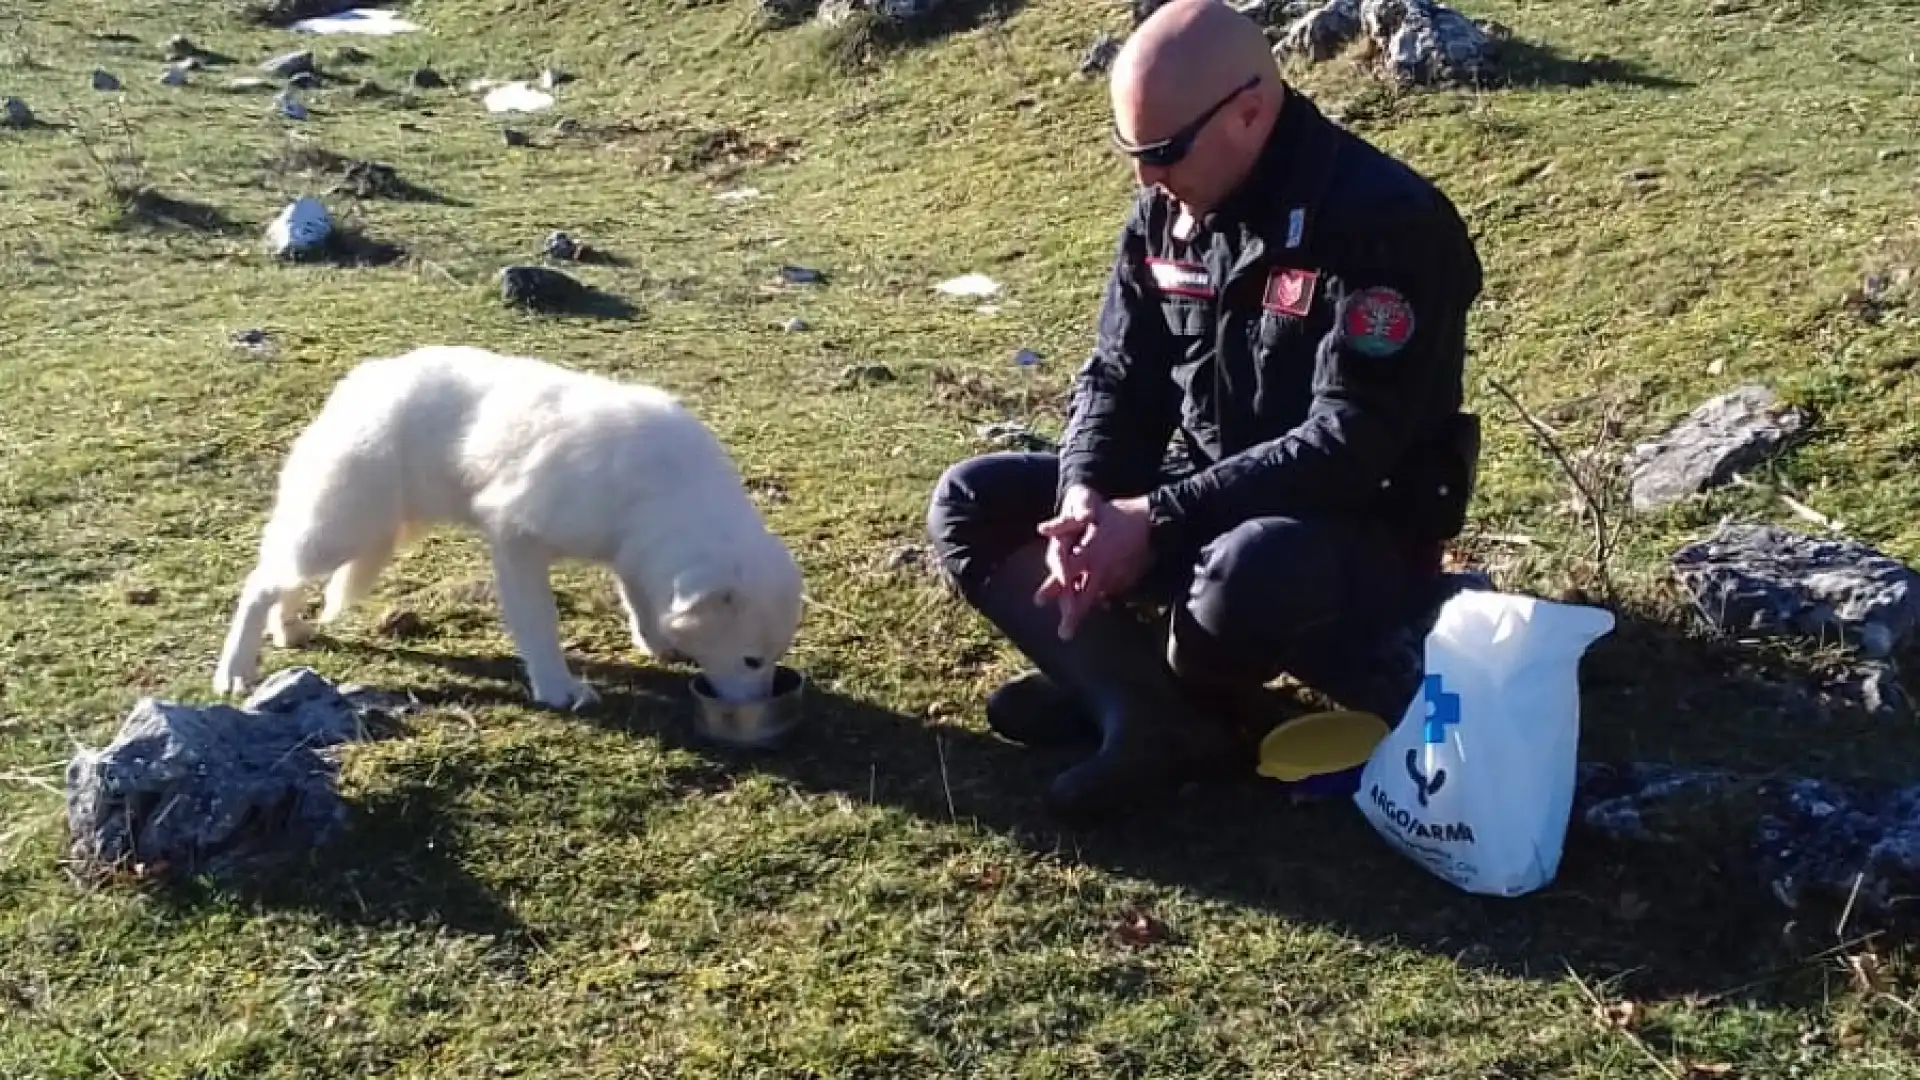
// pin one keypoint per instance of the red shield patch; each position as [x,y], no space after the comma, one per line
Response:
[1289,292]
[1378,321]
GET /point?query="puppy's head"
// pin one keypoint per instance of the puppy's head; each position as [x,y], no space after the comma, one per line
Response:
[737,619]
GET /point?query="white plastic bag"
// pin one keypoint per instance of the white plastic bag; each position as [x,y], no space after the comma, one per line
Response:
[1476,782]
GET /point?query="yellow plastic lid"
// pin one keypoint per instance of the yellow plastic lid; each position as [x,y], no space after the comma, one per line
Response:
[1320,743]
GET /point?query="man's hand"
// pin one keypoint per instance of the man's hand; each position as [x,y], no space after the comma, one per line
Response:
[1097,549]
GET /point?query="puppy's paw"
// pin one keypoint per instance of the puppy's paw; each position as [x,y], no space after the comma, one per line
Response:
[228,683]
[570,694]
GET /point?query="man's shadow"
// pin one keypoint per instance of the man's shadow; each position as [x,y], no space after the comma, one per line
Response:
[1698,921]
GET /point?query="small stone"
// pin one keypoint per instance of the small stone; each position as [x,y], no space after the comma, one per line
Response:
[402,624]
[794,325]
[567,126]
[14,113]
[514,137]
[143,597]
[551,78]
[561,246]
[1719,365]
[181,47]
[191,63]
[1026,358]
[174,76]
[426,79]
[1642,175]
[300,230]
[252,340]
[540,288]
[866,373]
[1726,434]
[104,81]
[288,65]
[303,80]
[289,106]
[801,275]
[1099,55]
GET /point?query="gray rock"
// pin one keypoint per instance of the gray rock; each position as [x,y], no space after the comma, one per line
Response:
[1812,839]
[14,113]
[1099,55]
[426,79]
[301,230]
[1008,435]
[287,65]
[561,246]
[289,106]
[1761,580]
[303,80]
[1419,42]
[540,288]
[794,325]
[836,12]
[185,789]
[1729,433]
[801,275]
[181,47]
[104,81]
[174,76]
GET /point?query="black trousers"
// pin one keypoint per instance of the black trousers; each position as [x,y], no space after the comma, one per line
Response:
[1325,600]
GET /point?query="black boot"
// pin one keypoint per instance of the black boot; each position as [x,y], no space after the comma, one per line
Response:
[1152,738]
[1033,710]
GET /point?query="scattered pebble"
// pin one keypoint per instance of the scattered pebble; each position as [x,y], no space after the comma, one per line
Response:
[426,79]
[181,47]
[254,341]
[514,137]
[289,106]
[290,64]
[566,126]
[1026,358]
[14,113]
[561,246]
[794,325]
[104,81]
[143,597]
[174,76]
[801,275]
[190,63]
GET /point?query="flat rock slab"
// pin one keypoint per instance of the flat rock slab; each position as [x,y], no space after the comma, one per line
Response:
[1811,840]
[1731,432]
[183,789]
[1765,581]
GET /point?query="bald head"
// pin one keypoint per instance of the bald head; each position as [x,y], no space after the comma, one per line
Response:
[1195,91]
[1183,59]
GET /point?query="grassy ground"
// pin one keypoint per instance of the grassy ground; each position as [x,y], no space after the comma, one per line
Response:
[1671,198]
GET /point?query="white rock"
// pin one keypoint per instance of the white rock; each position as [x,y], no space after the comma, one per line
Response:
[517,97]
[367,22]
[969,285]
[174,76]
[301,229]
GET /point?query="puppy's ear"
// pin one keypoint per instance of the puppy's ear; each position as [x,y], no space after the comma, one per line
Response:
[696,598]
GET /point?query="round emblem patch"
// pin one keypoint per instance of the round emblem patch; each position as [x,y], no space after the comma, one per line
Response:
[1378,321]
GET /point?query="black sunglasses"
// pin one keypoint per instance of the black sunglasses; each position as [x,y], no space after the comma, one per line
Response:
[1166,153]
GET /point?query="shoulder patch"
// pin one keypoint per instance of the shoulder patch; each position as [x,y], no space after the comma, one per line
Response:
[1289,291]
[1377,321]
[1181,278]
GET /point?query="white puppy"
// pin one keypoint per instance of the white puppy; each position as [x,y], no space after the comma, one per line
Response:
[547,464]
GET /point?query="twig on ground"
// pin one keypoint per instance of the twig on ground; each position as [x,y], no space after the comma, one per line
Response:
[1800,509]
[1601,1006]
[1602,537]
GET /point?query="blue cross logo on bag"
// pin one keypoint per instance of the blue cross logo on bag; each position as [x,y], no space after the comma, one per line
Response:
[1443,710]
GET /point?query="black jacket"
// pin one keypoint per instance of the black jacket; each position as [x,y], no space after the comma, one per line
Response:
[1308,343]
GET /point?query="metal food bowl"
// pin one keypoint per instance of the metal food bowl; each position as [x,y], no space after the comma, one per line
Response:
[760,724]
